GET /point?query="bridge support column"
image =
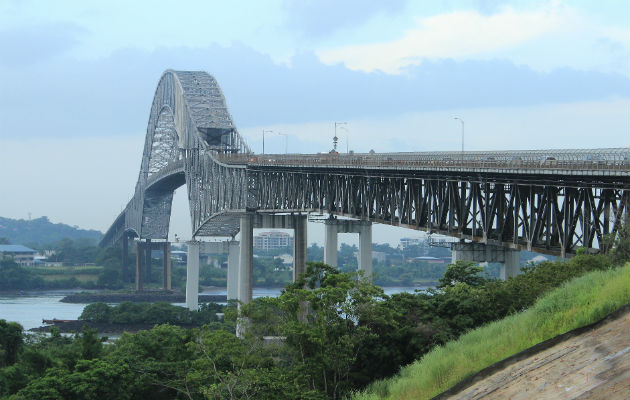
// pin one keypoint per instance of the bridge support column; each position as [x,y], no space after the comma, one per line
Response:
[479,252]
[139,265]
[299,246]
[511,265]
[365,249]
[147,264]
[331,243]
[232,272]
[125,258]
[166,261]
[246,260]
[192,276]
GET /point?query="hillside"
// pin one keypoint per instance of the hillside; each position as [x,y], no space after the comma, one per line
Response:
[41,231]
[578,303]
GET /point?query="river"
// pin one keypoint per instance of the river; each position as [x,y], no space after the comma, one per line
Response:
[30,308]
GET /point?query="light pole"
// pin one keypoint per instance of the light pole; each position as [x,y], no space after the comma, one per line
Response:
[462,121]
[265,131]
[336,139]
[286,141]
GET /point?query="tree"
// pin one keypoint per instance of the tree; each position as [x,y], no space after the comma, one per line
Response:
[462,272]
[4,240]
[10,342]
[325,316]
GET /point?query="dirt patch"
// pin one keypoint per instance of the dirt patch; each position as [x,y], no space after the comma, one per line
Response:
[592,365]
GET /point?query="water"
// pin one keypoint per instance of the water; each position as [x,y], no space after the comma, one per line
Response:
[29,309]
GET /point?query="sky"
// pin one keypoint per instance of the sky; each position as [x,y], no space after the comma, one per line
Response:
[77,79]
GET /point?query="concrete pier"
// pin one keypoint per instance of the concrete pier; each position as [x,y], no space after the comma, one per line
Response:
[335,226]
[139,266]
[365,250]
[233,268]
[299,246]
[147,263]
[246,260]
[166,265]
[192,276]
[479,252]
[330,243]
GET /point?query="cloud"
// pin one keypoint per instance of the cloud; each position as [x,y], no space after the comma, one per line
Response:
[317,18]
[456,35]
[112,96]
[27,45]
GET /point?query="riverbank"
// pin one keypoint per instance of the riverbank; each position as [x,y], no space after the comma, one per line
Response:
[142,297]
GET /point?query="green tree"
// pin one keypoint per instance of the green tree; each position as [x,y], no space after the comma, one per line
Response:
[325,317]
[11,341]
[467,272]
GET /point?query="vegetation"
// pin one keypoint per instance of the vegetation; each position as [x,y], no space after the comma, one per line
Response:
[150,313]
[326,336]
[577,303]
[38,232]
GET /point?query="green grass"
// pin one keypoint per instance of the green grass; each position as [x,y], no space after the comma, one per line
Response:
[578,302]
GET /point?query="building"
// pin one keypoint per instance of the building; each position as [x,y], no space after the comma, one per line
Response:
[20,254]
[406,242]
[273,240]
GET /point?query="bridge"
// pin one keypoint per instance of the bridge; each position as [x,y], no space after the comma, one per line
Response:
[495,202]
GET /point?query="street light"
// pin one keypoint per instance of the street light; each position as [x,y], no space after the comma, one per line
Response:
[462,121]
[267,131]
[286,141]
[336,139]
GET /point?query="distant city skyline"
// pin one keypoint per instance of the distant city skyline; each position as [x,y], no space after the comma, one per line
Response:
[80,77]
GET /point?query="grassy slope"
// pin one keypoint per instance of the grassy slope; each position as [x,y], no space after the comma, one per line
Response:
[579,302]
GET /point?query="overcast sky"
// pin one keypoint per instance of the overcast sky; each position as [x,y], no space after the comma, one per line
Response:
[77,79]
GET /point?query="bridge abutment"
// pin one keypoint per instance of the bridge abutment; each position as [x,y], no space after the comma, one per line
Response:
[479,252]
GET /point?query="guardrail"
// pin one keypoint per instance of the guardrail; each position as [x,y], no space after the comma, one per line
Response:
[617,159]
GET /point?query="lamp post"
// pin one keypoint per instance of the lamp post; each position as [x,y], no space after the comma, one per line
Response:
[265,131]
[336,139]
[462,121]
[286,141]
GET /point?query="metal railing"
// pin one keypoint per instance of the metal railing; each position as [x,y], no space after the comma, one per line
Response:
[616,159]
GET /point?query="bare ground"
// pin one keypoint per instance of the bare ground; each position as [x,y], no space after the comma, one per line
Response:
[593,365]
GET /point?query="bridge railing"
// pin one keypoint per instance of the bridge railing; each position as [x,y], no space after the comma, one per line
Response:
[586,160]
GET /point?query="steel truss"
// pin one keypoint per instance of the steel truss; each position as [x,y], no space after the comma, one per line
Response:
[534,214]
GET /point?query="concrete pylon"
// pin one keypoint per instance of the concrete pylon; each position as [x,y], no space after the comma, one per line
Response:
[330,243]
[299,246]
[246,260]
[192,276]
[166,261]
[139,266]
[365,250]
[232,272]
[511,265]
[510,259]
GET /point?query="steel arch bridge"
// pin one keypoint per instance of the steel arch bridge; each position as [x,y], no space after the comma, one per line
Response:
[550,201]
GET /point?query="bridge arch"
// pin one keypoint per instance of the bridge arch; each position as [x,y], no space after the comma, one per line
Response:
[189,124]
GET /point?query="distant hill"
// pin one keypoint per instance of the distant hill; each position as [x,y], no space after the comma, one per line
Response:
[42,231]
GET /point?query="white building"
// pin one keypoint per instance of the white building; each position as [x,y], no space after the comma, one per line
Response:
[272,240]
